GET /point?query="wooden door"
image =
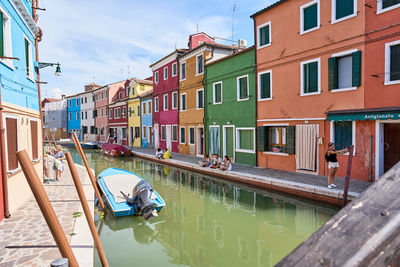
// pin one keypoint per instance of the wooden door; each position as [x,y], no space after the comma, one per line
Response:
[391,145]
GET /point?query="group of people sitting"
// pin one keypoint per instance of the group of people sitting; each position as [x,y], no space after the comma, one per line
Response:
[215,162]
[53,162]
[163,155]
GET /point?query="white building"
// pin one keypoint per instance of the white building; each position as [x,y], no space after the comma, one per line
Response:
[88,114]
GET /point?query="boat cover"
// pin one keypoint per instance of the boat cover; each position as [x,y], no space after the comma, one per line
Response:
[120,182]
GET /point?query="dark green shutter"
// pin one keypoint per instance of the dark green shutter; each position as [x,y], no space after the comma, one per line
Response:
[1,35]
[310,16]
[332,73]
[264,35]
[389,3]
[395,62]
[356,69]
[290,139]
[262,138]
[265,85]
[343,134]
[310,79]
[27,56]
[344,8]
[243,88]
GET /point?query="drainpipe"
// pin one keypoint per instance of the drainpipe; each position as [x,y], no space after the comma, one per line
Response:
[256,84]
[3,163]
[205,111]
[370,158]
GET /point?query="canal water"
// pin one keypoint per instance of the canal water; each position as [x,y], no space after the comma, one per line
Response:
[206,221]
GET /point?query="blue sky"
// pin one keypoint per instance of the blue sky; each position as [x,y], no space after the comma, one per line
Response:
[108,41]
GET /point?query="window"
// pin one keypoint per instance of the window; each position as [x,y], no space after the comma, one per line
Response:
[386,5]
[217,93]
[5,38]
[265,85]
[93,98]
[149,107]
[82,116]
[70,103]
[144,132]
[156,77]
[85,99]
[12,143]
[138,110]
[199,64]
[82,100]
[144,108]
[130,111]
[310,77]
[102,113]
[182,135]
[264,35]
[191,135]
[34,139]
[70,116]
[123,130]
[344,71]
[77,102]
[107,94]
[165,73]
[174,133]
[242,88]
[245,140]
[84,129]
[111,114]
[28,58]
[392,63]
[343,134]
[200,98]
[124,112]
[343,9]
[309,17]
[106,110]
[77,115]
[174,70]
[119,95]
[137,132]
[162,132]
[86,115]
[214,139]
[94,113]
[165,102]
[183,71]
[115,113]
[93,130]
[183,102]
[276,139]
[156,104]
[102,95]
[174,100]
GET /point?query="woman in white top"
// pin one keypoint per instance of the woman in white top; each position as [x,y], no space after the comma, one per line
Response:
[228,164]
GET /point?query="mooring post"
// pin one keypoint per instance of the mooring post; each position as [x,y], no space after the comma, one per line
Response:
[347,178]
[86,209]
[55,143]
[46,208]
[89,171]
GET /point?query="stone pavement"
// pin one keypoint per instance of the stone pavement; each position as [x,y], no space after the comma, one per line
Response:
[25,239]
[296,180]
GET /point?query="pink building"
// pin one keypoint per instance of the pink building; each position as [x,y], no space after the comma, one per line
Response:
[118,114]
[165,100]
[102,97]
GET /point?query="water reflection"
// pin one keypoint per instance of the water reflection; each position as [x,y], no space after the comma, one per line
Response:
[206,222]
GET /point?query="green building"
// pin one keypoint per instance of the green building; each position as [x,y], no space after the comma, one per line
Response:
[230,107]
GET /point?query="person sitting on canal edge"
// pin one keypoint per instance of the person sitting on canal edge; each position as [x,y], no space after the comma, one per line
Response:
[159,153]
[206,161]
[227,164]
[167,154]
[216,162]
[333,165]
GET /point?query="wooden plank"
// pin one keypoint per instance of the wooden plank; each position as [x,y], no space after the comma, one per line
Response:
[364,233]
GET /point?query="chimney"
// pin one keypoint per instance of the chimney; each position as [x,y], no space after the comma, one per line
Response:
[62,97]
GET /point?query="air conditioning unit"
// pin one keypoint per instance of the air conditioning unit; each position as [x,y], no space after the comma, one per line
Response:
[242,43]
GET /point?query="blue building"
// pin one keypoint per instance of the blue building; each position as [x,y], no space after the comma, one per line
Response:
[74,103]
[20,112]
[147,119]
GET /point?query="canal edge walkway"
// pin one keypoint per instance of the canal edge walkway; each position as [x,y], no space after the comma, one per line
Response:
[295,183]
[25,239]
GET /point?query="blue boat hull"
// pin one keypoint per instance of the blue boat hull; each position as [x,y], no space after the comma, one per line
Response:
[122,208]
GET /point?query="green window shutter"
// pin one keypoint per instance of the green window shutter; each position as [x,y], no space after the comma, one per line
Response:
[344,8]
[395,62]
[246,139]
[1,35]
[265,85]
[332,73]
[218,93]
[356,69]
[27,56]
[343,134]
[264,35]
[243,88]
[290,139]
[310,16]
[262,138]
[313,77]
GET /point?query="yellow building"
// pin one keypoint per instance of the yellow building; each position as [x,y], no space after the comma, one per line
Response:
[137,88]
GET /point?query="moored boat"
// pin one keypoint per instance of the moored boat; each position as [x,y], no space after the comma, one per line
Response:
[116,185]
[65,142]
[91,145]
[115,150]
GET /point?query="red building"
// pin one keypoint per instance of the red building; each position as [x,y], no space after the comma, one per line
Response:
[165,101]
[118,115]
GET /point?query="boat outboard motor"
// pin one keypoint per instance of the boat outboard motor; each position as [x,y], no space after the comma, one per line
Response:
[141,199]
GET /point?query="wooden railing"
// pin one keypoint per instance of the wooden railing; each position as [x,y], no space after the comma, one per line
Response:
[364,233]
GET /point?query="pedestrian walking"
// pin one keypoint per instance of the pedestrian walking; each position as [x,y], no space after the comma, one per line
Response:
[333,165]
[58,164]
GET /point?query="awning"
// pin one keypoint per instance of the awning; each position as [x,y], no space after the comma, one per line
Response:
[389,113]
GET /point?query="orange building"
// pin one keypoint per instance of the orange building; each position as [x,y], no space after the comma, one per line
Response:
[202,49]
[311,85]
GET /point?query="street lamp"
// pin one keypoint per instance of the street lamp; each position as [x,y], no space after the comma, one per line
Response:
[42,65]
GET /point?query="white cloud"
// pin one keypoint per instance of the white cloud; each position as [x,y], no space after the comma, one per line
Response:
[56,92]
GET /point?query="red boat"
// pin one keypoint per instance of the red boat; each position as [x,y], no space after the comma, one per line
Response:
[115,150]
